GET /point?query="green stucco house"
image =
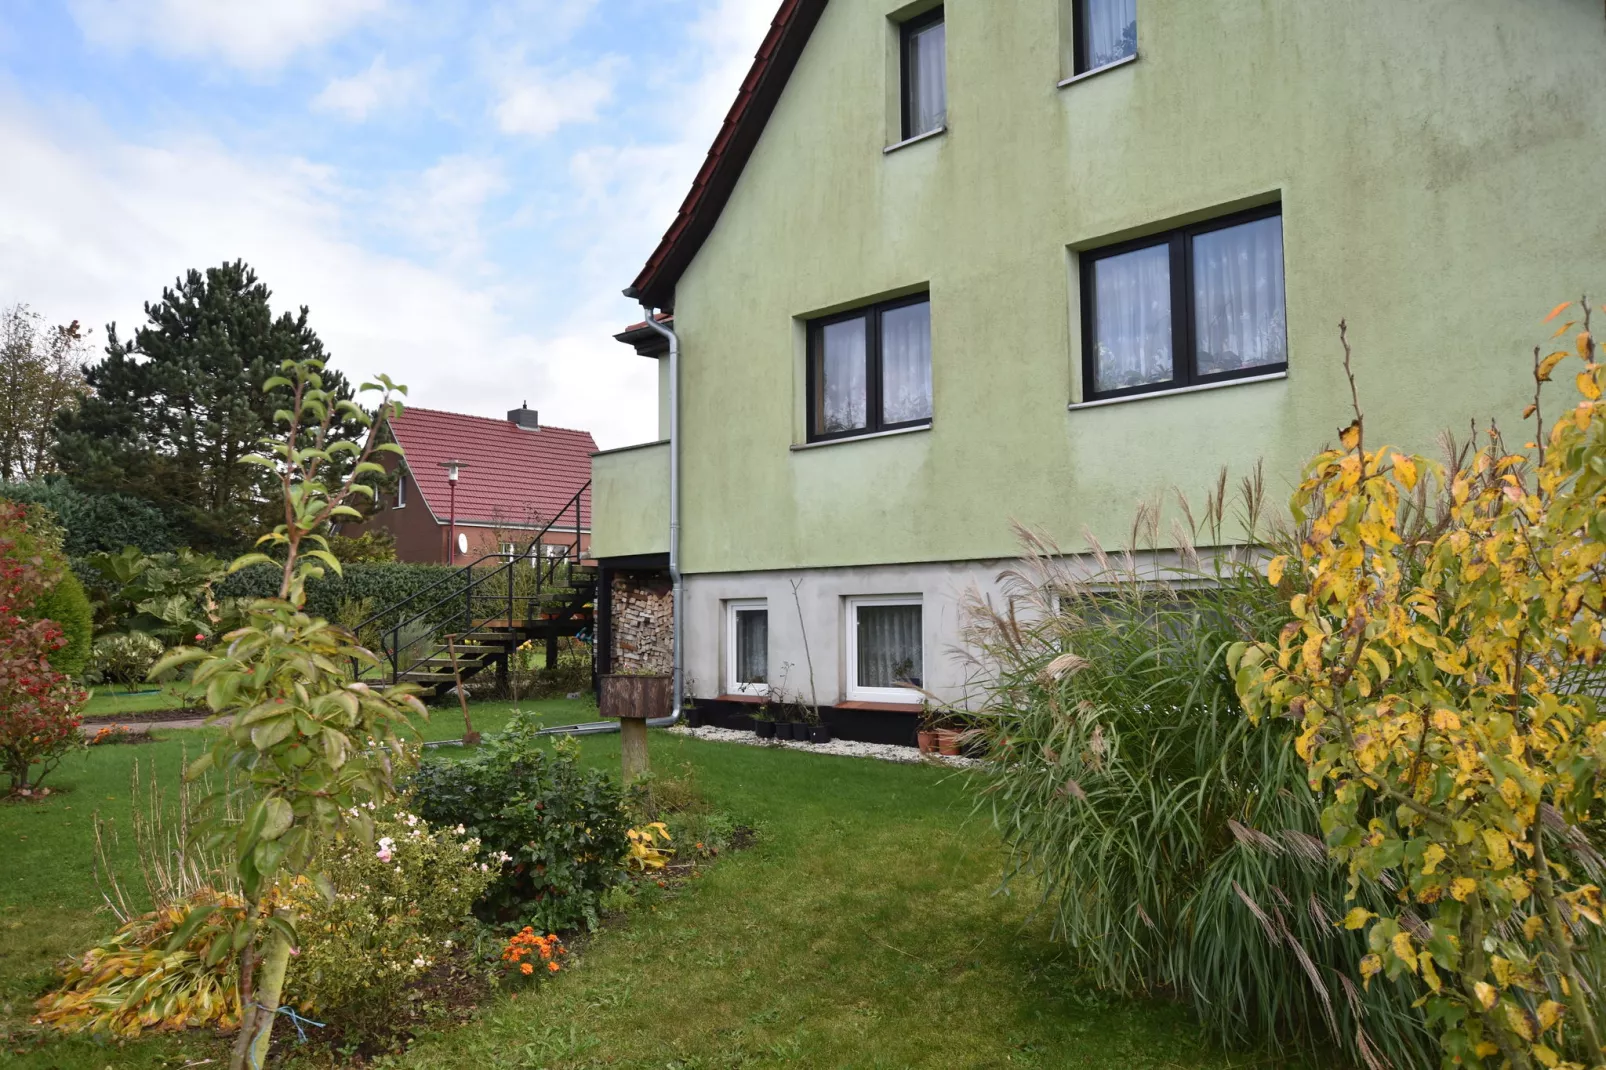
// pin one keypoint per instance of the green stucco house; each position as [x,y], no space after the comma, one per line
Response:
[949,267]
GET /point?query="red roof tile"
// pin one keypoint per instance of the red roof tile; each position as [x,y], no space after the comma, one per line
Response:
[761,89]
[511,475]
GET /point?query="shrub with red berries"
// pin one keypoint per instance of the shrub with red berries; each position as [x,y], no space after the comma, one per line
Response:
[38,725]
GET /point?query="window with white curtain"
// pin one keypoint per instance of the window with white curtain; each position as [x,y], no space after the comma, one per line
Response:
[870,369]
[401,489]
[886,649]
[1197,305]
[925,74]
[747,648]
[1103,32]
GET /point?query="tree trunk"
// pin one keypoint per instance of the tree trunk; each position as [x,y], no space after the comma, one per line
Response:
[270,987]
[633,748]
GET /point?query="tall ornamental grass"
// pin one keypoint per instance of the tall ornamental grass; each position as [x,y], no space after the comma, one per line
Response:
[1178,845]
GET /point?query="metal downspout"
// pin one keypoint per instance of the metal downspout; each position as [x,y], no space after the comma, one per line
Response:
[678,609]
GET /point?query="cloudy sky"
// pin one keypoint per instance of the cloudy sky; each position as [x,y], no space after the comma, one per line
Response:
[458,191]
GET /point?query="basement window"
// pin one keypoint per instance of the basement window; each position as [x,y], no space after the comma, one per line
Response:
[747,648]
[886,649]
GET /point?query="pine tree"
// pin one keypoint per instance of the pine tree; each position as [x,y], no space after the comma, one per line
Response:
[175,408]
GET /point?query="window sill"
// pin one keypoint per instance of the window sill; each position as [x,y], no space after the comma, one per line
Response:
[1271,378]
[746,700]
[879,707]
[796,446]
[906,142]
[1122,62]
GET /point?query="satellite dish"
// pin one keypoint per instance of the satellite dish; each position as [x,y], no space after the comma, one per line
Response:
[462,542]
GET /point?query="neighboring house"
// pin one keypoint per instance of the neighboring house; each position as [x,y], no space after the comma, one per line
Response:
[517,480]
[951,267]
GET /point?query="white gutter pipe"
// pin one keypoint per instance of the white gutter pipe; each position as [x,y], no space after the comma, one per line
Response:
[674,514]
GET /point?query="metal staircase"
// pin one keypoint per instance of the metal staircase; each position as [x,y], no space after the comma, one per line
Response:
[483,613]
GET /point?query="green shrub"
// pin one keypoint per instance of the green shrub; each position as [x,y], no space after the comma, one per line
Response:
[399,904]
[170,596]
[560,828]
[377,546]
[383,584]
[68,605]
[1179,847]
[123,659]
[96,522]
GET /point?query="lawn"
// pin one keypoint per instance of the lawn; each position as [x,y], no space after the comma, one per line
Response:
[104,701]
[860,930]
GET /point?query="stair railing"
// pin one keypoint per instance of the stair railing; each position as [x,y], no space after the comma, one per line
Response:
[546,574]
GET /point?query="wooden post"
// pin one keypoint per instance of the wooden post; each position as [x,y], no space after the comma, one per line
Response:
[633,748]
[634,700]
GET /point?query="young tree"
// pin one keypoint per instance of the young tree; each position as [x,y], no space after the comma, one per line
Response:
[41,375]
[1445,668]
[176,408]
[308,742]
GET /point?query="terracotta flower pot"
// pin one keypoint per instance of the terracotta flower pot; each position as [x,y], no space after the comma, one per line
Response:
[927,738]
[948,742]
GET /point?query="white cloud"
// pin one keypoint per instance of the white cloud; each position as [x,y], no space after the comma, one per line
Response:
[380,84]
[254,35]
[91,235]
[442,210]
[537,101]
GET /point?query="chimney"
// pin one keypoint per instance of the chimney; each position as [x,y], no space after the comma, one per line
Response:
[524,417]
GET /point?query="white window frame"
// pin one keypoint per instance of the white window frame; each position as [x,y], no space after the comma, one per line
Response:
[902,695]
[401,490]
[732,686]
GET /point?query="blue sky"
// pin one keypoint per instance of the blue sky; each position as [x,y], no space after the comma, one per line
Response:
[457,190]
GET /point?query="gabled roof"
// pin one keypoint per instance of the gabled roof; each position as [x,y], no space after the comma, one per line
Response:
[512,476]
[761,90]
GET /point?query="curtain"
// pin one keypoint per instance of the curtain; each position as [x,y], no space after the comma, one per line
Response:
[1109,30]
[1239,322]
[889,646]
[928,79]
[752,646]
[1132,318]
[906,364]
[839,394]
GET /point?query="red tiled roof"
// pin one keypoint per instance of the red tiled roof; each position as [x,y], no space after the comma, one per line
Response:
[511,475]
[761,89]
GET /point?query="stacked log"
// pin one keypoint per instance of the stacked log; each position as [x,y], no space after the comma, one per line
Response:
[643,623]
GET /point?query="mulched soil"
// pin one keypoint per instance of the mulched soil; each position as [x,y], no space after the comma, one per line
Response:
[187,713]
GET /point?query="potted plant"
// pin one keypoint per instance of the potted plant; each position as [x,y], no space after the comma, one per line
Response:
[764,722]
[950,736]
[926,733]
[819,731]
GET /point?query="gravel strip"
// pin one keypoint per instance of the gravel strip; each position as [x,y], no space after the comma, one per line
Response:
[843,748]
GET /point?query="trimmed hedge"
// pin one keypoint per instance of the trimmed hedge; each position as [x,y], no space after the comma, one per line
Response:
[68,605]
[96,522]
[383,584]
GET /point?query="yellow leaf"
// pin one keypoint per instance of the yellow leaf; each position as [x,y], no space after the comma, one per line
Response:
[1584,342]
[1446,720]
[1486,994]
[1401,945]
[1549,1013]
[1587,386]
[1405,468]
[1432,857]
[1351,435]
[1532,926]
[1371,966]
[1519,1022]
[1484,1049]
[1462,887]
[1548,365]
[1274,571]
[1357,917]
[1545,1056]
[1558,310]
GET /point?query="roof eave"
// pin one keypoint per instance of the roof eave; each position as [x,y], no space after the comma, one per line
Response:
[761,90]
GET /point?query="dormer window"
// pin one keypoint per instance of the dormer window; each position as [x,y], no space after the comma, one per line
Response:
[925,75]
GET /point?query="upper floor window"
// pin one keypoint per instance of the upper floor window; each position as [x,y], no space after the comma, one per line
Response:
[1106,31]
[401,489]
[1195,305]
[925,74]
[870,369]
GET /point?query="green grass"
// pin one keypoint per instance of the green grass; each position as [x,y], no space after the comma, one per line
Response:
[861,930]
[104,701]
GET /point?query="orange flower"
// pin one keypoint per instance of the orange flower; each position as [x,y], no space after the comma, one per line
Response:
[527,969]
[553,967]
